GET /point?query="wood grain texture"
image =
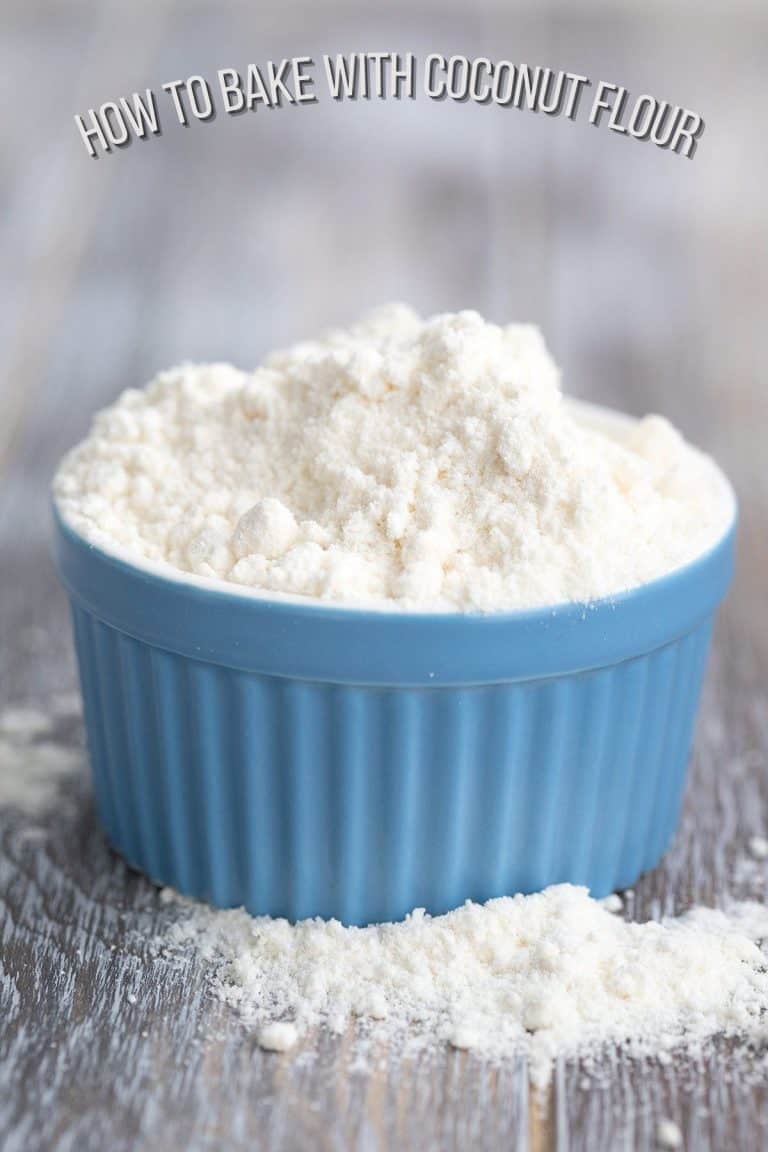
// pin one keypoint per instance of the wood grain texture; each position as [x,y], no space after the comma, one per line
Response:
[648,274]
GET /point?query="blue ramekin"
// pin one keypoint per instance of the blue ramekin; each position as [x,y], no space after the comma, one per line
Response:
[306,760]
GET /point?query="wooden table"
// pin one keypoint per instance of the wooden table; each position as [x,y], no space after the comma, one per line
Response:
[648,274]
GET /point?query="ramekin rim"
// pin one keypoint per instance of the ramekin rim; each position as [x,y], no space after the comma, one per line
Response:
[225,590]
[176,577]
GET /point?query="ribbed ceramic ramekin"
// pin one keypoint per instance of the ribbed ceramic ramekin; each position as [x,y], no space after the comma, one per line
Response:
[306,760]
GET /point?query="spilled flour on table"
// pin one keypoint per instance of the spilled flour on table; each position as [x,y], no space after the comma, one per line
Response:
[552,975]
[33,762]
[555,974]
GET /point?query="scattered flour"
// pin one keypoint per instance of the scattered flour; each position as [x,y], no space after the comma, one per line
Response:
[279,1036]
[24,723]
[32,768]
[418,464]
[758,847]
[30,774]
[613,903]
[548,975]
[668,1135]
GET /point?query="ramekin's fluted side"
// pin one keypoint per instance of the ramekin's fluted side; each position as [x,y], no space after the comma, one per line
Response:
[300,798]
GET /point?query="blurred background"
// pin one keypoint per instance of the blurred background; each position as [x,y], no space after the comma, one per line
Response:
[647,272]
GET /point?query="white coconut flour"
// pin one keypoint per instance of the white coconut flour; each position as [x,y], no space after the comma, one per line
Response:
[551,975]
[34,762]
[417,464]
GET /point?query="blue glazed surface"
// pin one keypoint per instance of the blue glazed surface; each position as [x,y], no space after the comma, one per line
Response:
[304,760]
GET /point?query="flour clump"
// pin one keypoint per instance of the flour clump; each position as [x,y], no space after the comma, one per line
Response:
[554,974]
[425,464]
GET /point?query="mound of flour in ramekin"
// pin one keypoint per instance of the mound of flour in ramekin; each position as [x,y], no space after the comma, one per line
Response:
[418,463]
[546,976]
